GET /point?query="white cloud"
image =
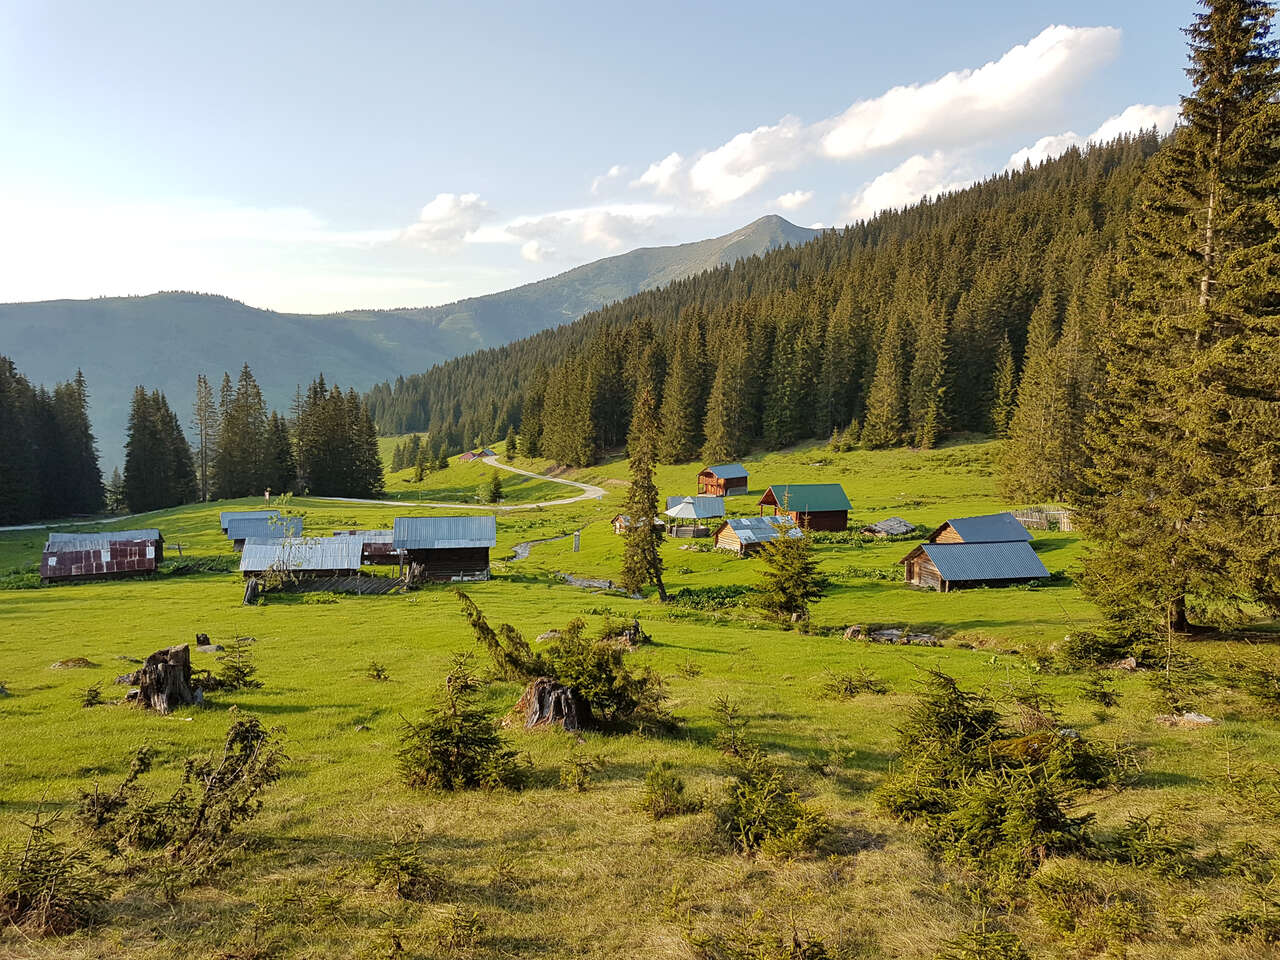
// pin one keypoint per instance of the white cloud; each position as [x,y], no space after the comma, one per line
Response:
[535,251]
[661,175]
[817,225]
[577,232]
[999,96]
[447,221]
[795,199]
[613,173]
[1139,116]
[916,177]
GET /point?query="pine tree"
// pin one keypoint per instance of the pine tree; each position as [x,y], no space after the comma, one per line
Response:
[1184,491]
[789,579]
[1033,456]
[509,448]
[281,470]
[727,426]
[1004,390]
[928,375]
[159,470]
[19,467]
[115,493]
[641,558]
[239,467]
[679,440]
[886,403]
[493,490]
[204,422]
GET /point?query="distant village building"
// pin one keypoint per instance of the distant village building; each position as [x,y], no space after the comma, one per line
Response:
[263,529]
[746,535]
[892,527]
[992,550]
[88,555]
[302,557]
[227,515]
[446,548]
[703,508]
[815,506]
[723,480]
[622,523]
[377,545]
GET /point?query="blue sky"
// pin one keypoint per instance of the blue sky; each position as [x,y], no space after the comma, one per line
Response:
[323,156]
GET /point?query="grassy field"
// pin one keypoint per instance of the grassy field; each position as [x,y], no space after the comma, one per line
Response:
[554,873]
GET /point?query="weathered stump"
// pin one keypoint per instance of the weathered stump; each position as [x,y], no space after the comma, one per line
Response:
[545,702]
[250,592]
[164,680]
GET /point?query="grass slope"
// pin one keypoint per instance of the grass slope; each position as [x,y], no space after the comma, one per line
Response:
[553,873]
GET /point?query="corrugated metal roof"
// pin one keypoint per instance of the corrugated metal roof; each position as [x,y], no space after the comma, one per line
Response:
[893,527]
[704,506]
[445,533]
[990,528]
[367,536]
[94,540]
[302,554]
[762,529]
[727,471]
[263,528]
[808,497]
[226,515]
[1001,560]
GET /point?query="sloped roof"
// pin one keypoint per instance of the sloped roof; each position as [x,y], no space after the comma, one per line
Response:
[761,529]
[807,497]
[989,528]
[727,471]
[302,553]
[367,536]
[263,528]
[1001,560]
[893,527]
[226,515]
[445,533]
[704,506]
[95,539]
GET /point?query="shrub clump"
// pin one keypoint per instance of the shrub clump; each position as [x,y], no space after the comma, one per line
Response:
[847,686]
[711,598]
[47,886]
[762,811]
[400,869]
[664,792]
[458,745]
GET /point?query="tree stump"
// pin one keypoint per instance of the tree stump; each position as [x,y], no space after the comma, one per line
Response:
[545,702]
[164,680]
[250,592]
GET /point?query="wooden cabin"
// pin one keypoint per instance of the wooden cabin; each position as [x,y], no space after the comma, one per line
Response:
[377,545]
[747,535]
[302,557]
[241,530]
[948,566]
[446,548]
[814,506]
[723,480]
[227,515]
[622,523]
[989,528]
[94,555]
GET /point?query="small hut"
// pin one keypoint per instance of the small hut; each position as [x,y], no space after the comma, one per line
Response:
[227,515]
[377,545]
[815,506]
[746,535]
[988,528]
[446,548]
[892,527]
[723,480]
[261,529]
[302,557]
[950,566]
[87,555]
[622,523]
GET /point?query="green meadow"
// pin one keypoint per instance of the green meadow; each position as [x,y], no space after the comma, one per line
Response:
[555,873]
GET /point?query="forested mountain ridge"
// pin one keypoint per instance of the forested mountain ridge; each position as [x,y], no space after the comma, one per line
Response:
[166,339]
[891,331]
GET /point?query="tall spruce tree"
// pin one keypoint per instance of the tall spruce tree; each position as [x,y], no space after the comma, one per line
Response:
[1033,459]
[886,402]
[641,558]
[159,470]
[1004,390]
[681,410]
[1183,496]
[928,378]
[728,421]
[240,464]
[204,422]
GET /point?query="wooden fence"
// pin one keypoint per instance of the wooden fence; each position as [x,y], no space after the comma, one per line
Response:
[1045,518]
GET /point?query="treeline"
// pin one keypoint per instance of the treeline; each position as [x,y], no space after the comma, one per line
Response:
[328,446]
[916,324]
[48,455]
[422,456]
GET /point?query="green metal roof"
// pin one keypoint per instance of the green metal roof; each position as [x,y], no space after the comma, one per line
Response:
[808,497]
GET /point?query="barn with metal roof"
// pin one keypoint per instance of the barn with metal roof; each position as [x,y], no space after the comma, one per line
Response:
[302,556]
[988,528]
[746,535]
[378,545]
[240,529]
[704,508]
[446,548]
[723,480]
[96,554]
[226,515]
[949,566]
[817,506]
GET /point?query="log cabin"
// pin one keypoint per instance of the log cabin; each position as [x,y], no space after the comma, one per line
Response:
[723,480]
[446,548]
[814,506]
[747,535]
[949,566]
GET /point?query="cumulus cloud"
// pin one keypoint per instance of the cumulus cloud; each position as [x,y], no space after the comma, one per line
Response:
[795,199]
[575,232]
[1000,95]
[447,221]
[1139,116]
[613,173]
[916,177]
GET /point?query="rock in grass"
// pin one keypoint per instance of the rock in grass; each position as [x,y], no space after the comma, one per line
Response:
[73,663]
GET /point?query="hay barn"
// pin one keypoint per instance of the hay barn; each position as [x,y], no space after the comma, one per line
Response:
[988,528]
[446,548]
[303,557]
[746,535]
[378,546]
[88,555]
[227,515]
[950,566]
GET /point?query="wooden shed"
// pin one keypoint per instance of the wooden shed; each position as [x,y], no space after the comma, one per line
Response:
[890,527]
[814,506]
[446,548]
[988,528]
[93,555]
[949,566]
[723,480]
[377,545]
[746,535]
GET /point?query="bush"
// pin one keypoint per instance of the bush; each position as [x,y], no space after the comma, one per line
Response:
[92,696]
[376,671]
[458,745]
[576,771]
[762,812]
[1259,921]
[752,943]
[1098,687]
[710,598]
[664,792]
[1090,648]
[47,886]
[401,869]
[847,686]
[983,944]
[236,669]
[1145,841]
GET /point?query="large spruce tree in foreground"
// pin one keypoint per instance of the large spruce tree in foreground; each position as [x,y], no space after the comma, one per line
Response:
[641,561]
[1184,490]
